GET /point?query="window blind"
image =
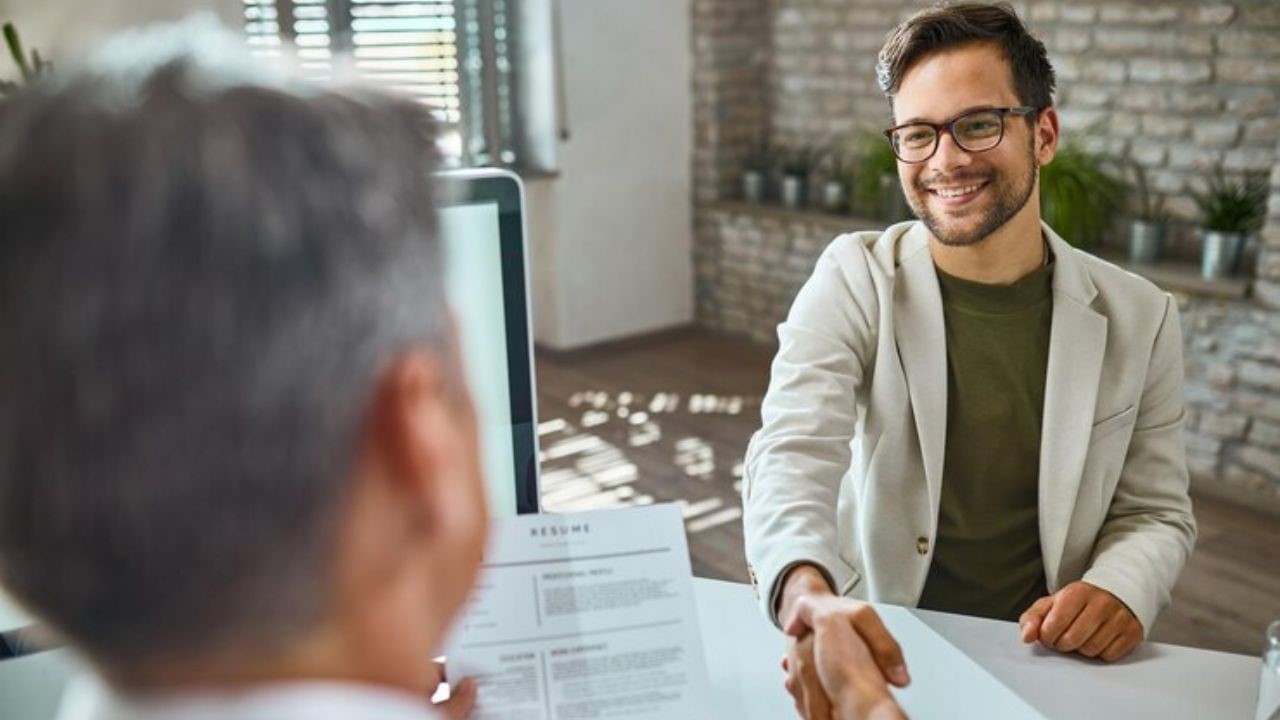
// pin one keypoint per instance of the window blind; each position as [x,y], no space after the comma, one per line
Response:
[480,65]
[407,45]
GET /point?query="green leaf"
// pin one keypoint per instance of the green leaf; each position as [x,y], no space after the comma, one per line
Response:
[15,50]
[875,160]
[1234,206]
[1078,198]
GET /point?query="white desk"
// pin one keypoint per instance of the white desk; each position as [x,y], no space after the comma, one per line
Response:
[1156,681]
[743,651]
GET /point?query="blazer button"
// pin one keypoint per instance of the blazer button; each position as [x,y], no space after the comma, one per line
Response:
[922,545]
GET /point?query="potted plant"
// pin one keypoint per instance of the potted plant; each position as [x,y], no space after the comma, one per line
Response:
[877,192]
[1148,225]
[1077,198]
[839,182]
[797,168]
[1230,211]
[755,172]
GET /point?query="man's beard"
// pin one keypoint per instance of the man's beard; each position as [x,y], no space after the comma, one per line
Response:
[1009,201]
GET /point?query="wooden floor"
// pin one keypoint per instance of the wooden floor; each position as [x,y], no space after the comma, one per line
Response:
[668,417]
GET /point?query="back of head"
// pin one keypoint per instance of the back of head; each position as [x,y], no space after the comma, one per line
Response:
[200,277]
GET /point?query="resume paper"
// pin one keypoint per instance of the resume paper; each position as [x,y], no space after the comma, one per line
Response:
[584,615]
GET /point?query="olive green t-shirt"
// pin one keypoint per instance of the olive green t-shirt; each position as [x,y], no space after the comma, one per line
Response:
[986,558]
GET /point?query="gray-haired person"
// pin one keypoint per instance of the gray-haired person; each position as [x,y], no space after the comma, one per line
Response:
[238,464]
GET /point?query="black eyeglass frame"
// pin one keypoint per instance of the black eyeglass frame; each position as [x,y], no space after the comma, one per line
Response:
[948,127]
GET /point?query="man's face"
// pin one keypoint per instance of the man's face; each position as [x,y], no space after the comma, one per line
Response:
[994,185]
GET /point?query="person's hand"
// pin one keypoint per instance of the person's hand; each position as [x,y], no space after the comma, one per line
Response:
[462,695]
[806,583]
[1082,618]
[844,646]
[801,679]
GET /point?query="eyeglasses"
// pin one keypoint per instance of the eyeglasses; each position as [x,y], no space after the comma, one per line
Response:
[974,131]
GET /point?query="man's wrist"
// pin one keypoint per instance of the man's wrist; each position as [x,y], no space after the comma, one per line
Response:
[803,579]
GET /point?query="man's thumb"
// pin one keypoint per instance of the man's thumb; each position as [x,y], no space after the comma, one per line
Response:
[462,698]
[1029,623]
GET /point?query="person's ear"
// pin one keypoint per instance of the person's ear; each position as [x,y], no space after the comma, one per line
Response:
[1047,134]
[414,433]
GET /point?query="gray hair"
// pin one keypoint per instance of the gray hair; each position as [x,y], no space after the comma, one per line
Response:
[199,283]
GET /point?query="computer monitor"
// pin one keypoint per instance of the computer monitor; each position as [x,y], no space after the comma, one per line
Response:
[486,277]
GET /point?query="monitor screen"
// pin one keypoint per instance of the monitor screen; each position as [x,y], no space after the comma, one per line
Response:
[485,284]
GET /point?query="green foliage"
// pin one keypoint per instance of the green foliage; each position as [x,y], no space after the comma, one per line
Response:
[841,167]
[1077,198]
[30,69]
[1233,207]
[760,159]
[800,161]
[1148,206]
[875,160]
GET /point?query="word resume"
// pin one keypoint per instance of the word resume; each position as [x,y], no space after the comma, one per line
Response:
[584,615]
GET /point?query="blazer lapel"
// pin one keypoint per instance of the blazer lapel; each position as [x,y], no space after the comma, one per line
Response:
[922,345]
[1077,343]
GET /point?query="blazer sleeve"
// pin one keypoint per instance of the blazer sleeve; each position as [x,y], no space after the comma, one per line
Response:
[1149,529]
[795,462]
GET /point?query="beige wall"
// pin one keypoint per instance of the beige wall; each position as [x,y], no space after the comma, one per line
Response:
[610,235]
[60,29]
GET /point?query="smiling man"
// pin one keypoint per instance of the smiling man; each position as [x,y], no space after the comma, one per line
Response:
[965,413]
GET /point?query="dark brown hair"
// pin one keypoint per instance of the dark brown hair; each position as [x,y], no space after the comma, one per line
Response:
[947,27]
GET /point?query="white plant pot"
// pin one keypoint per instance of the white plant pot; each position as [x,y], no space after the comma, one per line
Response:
[1146,238]
[834,196]
[794,192]
[1220,256]
[753,186]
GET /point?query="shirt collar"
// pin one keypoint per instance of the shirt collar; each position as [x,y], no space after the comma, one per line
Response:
[88,699]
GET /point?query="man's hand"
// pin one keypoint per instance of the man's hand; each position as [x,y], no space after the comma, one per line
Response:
[462,695]
[843,644]
[1082,618]
[842,639]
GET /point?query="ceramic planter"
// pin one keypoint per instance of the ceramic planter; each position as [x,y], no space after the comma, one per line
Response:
[834,196]
[1146,238]
[1220,256]
[794,192]
[753,186]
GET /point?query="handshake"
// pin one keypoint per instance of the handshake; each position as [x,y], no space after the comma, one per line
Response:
[841,659]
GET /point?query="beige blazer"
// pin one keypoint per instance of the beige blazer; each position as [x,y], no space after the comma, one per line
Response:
[846,472]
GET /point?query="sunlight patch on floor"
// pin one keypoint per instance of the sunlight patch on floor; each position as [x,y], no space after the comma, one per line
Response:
[586,464]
